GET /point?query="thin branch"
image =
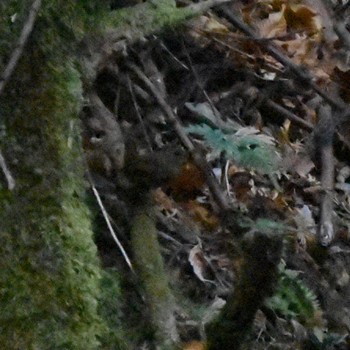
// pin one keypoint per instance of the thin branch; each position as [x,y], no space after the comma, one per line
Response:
[17,52]
[212,183]
[10,180]
[109,225]
[138,113]
[227,182]
[171,239]
[301,122]
[206,5]
[289,115]
[300,72]
[324,134]
[165,48]
[199,84]
[338,16]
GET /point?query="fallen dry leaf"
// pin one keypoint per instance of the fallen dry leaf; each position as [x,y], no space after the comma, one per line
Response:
[163,200]
[202,215]
[195,345]
[199,263]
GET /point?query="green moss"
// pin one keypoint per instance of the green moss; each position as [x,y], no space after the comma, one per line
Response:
[144,19]
[150,269]
[111,300]
[148,258]
[51,271]
[12,17]
[50,279]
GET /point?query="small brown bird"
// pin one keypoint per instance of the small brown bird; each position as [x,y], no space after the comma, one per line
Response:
[154,169]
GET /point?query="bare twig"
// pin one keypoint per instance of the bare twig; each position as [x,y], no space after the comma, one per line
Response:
[206,5]
[109,225]
[165,48]
[199,84]
[289,115]
[137,110]
[300,72]
[17,52]
[227,182]
[301,122]
[170,239]
[10,180]
[212,183]
[324,134]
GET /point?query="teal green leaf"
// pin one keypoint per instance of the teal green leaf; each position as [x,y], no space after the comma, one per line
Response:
[245,147]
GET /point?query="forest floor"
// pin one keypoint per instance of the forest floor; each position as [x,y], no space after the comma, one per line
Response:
[266,110]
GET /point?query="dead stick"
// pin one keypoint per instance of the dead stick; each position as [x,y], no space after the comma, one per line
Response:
[138,113]
[301,122]
[324,135]
[206,5]
[10,180]
[108,222]
[212,183]
[302,73]
[17,52]
[289,115]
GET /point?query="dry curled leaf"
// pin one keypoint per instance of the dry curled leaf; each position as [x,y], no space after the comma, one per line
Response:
[199,264]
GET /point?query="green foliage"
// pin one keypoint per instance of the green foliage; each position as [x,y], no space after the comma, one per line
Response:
[244,147]
[293,299]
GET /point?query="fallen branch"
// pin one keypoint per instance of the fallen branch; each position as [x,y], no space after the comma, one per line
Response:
[324,135]
[289,115]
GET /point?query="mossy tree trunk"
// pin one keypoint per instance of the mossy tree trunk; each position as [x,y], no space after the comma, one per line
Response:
[49,280]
